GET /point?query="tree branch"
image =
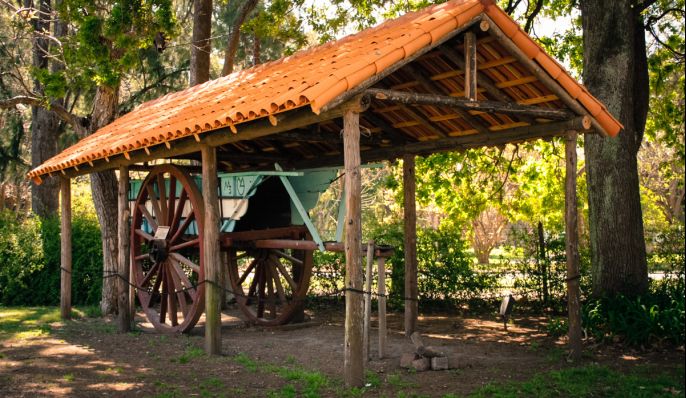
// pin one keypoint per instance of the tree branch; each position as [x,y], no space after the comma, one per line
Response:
[78,123]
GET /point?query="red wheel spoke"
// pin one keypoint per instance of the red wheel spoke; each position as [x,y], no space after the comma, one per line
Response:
[183,228]
[271,299]
[179,272]
[171,296]
[278,285]
[172,200]
[155,204]
[247,272]
[162,189]
[287,257]
[164,295]
[180,293]
[260,291]
[148,217]
[183,260]
[190,243]
[286,275]
[144,235]
[150,274]
[158,282]
[141,257]
[174,224]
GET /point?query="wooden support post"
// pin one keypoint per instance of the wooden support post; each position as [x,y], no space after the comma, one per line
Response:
[212,253]
[572,247]
[470,65]
[353,360]
[65,249]
[410,215]
[368,299]
[382,306]
[124,263]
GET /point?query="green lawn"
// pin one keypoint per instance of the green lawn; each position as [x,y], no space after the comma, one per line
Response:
[27,322]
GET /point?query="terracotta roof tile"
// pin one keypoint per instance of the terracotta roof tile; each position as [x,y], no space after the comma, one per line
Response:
[311,77]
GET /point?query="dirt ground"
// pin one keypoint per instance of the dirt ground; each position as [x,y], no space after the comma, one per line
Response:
[87,358]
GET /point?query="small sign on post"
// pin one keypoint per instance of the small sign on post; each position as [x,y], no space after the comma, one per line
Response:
[506,309]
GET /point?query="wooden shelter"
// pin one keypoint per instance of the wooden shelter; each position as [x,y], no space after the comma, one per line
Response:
[450,77]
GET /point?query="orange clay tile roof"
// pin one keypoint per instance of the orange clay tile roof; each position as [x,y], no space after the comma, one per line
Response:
[312,77]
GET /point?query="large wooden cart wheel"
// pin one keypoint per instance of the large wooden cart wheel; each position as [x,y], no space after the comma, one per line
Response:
[167,250]
[270,285]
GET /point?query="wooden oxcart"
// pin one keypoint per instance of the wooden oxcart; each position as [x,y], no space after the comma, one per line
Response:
[266,236]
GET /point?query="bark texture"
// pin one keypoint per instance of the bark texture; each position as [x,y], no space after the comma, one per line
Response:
[615,71]
[104,186]
[235,34]
[45,125]
[201,47]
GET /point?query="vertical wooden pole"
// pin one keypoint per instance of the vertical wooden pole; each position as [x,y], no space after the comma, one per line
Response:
[410,213]
[65,249]
[212,253]
[470,65]
[353,360]
[123,268]
[572,247]
[382,307]
[368,299]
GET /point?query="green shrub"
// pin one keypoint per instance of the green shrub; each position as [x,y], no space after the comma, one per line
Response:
[655,316]
[30,260]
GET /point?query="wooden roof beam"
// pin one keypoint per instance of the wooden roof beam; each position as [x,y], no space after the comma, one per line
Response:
[460,143]
[506,108]
[429,85]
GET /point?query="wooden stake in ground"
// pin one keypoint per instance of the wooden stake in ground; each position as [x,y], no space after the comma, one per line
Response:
[212,254]
[124,265]
[368,299]
[470,65]
[572,247]
[65,249]
[353,359]
[382,307]
[410,217]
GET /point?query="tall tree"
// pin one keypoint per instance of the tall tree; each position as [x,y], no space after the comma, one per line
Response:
[201,46]
[45,125]
[616,71]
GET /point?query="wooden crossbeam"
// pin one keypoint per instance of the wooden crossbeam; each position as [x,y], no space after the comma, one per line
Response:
[434,87]
[507,108]
[463,142]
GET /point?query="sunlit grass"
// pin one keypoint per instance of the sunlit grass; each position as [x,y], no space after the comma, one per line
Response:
[31,322]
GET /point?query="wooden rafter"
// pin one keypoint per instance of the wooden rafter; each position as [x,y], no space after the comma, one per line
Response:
[507,108]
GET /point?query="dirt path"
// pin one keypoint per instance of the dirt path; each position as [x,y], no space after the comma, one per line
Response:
[86,358]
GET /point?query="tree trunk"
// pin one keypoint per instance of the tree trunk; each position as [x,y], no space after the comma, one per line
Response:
[615,71]
[235,35]
[201,46]
[44,123]
[105,187]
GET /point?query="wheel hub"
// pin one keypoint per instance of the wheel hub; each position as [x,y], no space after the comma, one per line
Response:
[159,250]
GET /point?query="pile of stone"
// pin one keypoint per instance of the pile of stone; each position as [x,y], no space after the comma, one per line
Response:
[425,357]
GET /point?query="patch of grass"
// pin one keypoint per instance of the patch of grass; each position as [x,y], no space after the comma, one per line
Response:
[212,387]
[287,391]
[68,377]
[191,353]
[246,362]
[372,379]
[396,380]
[26,322]
[589,381]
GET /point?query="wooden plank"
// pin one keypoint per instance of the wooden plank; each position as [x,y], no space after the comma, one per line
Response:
[410,227]
[368,300]
[470,75]
[541,74]
[482,80]
[507,108]
[65,248]
[124,253]
[353,360]
[212,253]
[382,306]
[572,247]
